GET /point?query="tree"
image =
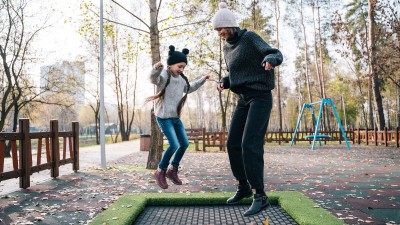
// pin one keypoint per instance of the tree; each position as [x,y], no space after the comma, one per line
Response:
[15,40]
[389,48]
[373,66]
[16,36]
[302,61]
[89,30]
[154,33]
[277,13]
[121,54]
[351,30]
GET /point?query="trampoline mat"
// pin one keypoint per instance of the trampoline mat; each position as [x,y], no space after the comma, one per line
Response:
[211,215]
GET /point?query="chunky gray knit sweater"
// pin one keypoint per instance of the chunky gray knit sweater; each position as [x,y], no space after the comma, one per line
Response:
[166,107]
[244,57]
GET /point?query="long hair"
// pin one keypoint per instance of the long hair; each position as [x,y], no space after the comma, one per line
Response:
[183,99]
[160,95]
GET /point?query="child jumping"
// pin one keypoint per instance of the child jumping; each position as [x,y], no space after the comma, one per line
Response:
[171,86]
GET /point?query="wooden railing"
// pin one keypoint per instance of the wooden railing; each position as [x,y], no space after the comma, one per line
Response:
[21,151]
[375,137]
[301,136]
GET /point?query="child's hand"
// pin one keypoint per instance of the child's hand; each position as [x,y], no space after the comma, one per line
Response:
[206,77]
[158,65]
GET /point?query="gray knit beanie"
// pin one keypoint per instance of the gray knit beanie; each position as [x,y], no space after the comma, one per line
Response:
[224,17]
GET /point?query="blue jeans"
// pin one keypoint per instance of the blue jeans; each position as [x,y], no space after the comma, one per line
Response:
[178,142]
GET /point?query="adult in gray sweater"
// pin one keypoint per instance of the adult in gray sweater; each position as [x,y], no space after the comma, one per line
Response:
[171,86]
[250,62]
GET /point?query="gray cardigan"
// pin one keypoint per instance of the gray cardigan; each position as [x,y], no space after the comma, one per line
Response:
[244,57]
[166,107]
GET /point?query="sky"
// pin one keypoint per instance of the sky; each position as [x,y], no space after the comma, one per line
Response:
[62,42]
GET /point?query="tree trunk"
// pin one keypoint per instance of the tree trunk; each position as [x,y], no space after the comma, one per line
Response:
[221,101]
[317,68]
[343,106]
[97,127]
[156,143]
[389,125]
[374,74]
[363,116]
[305,53]
[370,108]
[327,123]
[398,106]
[316,56]
[278,75]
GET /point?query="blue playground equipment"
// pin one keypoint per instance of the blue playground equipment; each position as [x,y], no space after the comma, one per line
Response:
[323,102]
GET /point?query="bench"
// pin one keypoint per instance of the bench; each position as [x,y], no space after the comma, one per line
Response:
[215,139]
[208,139]
[196,134]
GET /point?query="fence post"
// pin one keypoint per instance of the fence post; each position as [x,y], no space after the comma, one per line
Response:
[223,139]
[341,136]
[352,134]
[25,154]
[75,144]
[385,136]
[55,149]
[375,136]
[396,136]
[279,136]
[358,136]
[204,138]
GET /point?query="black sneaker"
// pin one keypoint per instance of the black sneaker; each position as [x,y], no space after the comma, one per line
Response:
[260,202]
[243,191]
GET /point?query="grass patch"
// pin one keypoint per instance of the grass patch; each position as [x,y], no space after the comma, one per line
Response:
[128,207]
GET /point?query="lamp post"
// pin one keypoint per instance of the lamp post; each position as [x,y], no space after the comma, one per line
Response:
[102,131]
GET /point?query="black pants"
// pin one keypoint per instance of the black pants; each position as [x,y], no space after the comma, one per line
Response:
[246,137]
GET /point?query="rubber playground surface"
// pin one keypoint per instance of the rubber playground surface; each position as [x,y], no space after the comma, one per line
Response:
[360,186]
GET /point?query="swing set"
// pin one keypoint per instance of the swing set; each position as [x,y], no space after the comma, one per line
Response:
[323,102]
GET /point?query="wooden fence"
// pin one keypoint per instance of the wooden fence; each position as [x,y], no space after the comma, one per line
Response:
[368,137]
[375,137]
[287,136]
[21,151]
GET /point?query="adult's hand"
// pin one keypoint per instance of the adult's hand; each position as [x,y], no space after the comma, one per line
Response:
[268,66]
[220,87]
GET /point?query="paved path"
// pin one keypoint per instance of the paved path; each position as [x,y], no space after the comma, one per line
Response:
[89,157]
[360,186]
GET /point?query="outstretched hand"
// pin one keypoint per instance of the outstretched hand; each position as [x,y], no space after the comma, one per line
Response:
[220,86]
[158,65]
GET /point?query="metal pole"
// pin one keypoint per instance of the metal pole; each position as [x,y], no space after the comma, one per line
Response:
[102,131]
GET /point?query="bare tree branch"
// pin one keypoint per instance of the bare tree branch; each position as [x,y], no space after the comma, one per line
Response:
[131,13]
[173,18]
[390,77]
[134,28]
[181,25]
[112,21]
[158,9]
